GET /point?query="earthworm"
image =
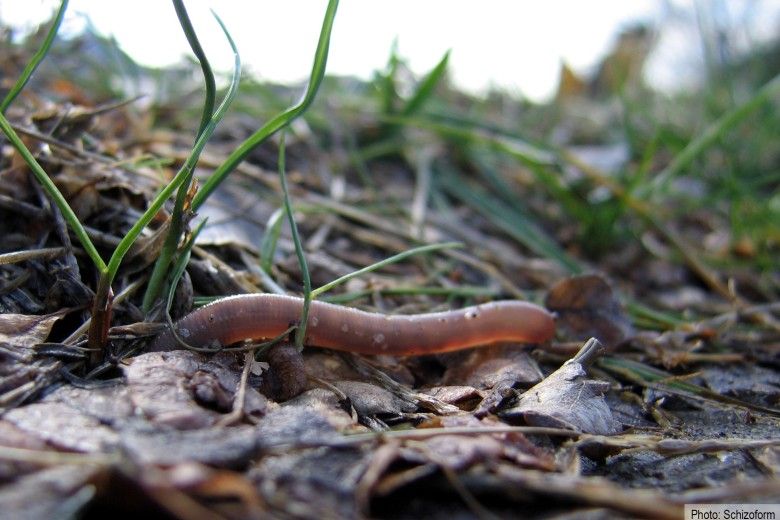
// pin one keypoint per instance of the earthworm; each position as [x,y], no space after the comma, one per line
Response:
[261,316]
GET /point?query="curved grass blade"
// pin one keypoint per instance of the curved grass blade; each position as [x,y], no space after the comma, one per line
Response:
[40,175]
[281,120]
[101,308]
[186,168]
[36,59]
[197,50]
[176,229]
[387,261]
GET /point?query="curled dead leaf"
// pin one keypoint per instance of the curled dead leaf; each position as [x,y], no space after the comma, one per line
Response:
[566,399]
[23,330]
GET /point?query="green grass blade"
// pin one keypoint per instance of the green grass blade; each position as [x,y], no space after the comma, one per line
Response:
[651,377]
[386,83]
[653,318]
[197,49]
[36,59]
[449,292]
[509,219]
[157,279]
[56,195]
[273,229]
[300,333]
[426,88]
[186,169]
[387,261]
[714,132]
[281,120]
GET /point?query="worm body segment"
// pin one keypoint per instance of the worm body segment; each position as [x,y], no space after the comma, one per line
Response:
[262,316]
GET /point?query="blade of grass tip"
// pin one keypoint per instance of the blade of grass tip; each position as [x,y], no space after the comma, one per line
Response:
[273,229]
[279,121]
[388,91]
[176,228]
[36,59]
[423,92]
[197,50]
[426,88]
[387,261]
[714,132]
[189,164]
[56,195]
[300,333]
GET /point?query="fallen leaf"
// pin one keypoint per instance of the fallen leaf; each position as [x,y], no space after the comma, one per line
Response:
[588,308]
[488,367]
[23,330]
[566,399]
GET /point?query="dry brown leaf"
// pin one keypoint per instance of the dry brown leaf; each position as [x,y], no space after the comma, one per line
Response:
[566,399]
[23,330]
[587,307]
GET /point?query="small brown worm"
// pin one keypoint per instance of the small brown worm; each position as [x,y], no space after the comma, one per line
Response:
[263,316]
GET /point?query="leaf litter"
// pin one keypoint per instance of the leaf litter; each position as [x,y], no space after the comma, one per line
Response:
[679,406]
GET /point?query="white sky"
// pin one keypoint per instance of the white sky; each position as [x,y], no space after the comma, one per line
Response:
[515,45]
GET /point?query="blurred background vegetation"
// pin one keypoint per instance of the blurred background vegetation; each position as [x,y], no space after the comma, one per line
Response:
[610,174]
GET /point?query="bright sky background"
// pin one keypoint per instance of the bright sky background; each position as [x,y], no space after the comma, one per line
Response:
[515,45]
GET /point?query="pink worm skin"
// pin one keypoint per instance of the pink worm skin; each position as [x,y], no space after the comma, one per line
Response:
[263,316]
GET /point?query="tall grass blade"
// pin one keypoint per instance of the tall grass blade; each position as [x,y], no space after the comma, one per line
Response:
[300,333]
[176,229]
[56,195]
[186,168]
[36,59]
[279,121]
[197,50]
[426,88]
[386,84]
